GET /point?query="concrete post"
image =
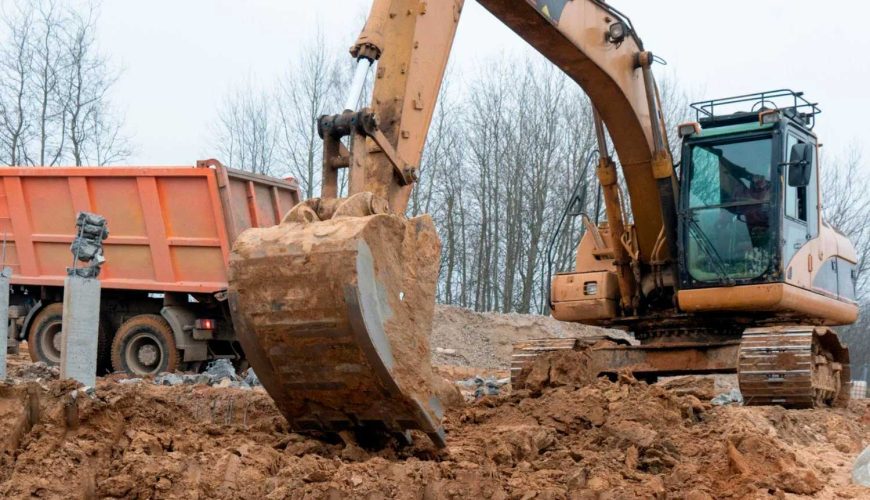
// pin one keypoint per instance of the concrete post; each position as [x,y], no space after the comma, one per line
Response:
[81,302]
[5,276]
[81,321]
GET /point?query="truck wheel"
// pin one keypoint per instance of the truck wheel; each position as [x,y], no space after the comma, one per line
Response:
[104,348]
[144,345]
[44,338]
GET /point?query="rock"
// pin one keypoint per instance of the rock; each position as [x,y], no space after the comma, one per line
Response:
[736,460]
[220,369]
[800,482]
[168,379]
[447,392]
[633,433]
[597,483]
[251,378]
[130,381]
[37,371]
[698,495]
[656,486]
[484,387]
[631,458]
[117,486]
[317,476]
[733,397]
[861,469]
[701,388]
[576,480]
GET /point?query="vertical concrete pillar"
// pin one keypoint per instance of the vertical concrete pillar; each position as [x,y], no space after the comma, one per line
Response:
[5,276]
[81,321]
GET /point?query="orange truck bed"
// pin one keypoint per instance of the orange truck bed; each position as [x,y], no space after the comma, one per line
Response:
[171,228]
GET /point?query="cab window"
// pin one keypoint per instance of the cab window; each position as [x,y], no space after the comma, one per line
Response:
[795,197]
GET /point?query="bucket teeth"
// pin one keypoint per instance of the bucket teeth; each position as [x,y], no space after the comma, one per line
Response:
[335,318]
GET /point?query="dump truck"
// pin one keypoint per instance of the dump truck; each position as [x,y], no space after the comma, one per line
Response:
[720,262]
[163,303]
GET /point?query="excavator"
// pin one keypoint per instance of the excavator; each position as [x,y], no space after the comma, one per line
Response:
[720,263]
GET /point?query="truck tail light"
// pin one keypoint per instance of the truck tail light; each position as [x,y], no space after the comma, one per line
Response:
[204,324]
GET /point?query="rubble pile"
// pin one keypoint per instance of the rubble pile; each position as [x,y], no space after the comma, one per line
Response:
[218,373]
[598,439]
[465,338]
[562,433]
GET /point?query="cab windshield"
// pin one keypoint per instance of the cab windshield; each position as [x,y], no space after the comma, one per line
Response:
[729,216]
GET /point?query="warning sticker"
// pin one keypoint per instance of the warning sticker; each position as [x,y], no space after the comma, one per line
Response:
[551,9]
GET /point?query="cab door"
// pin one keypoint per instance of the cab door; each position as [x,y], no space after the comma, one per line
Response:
[800,216]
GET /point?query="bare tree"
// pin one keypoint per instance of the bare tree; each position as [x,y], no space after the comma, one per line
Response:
[845,184]
[87,82]
[845,188]
[50,60]
[309,90]
[247,133]
[53,94]
[16,67]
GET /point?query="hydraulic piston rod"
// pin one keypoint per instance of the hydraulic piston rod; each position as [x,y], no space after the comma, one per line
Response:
[363,65]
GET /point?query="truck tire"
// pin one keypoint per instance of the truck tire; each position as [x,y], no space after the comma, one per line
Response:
[144,345]
[44,337]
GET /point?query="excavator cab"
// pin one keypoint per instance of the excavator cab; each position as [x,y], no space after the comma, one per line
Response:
[749,207]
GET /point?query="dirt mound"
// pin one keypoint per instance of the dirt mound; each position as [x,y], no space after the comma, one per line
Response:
[602,440]
[461,337]
[559,369]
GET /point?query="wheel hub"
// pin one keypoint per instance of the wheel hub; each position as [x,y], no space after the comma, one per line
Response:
[144,355]
[147,355]
[57,340]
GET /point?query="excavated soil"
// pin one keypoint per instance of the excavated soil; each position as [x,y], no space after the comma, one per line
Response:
[562,438]
[463,338]
[563,434]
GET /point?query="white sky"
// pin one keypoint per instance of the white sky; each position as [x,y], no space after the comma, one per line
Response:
[179,58]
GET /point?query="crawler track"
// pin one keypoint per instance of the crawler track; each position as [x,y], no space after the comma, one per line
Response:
[793,366]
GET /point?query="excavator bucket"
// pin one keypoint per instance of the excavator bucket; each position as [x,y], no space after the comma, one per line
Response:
[335,318]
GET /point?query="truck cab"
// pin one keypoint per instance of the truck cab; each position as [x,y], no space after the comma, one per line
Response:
[749,211]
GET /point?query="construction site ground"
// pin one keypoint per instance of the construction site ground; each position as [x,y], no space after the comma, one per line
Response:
[566,435]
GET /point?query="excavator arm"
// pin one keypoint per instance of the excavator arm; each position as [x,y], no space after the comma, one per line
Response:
[334,306]
[591,42]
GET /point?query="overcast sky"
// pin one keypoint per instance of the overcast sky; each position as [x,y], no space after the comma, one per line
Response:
[179,58]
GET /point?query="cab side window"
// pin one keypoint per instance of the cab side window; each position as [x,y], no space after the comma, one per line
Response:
[795,197]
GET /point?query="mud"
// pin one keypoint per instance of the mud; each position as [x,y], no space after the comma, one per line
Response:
[484,340]
[603,439]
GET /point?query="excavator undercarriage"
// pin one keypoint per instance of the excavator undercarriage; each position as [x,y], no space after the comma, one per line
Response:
[790,366]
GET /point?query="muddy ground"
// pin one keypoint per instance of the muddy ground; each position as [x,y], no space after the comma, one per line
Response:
[566,438]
